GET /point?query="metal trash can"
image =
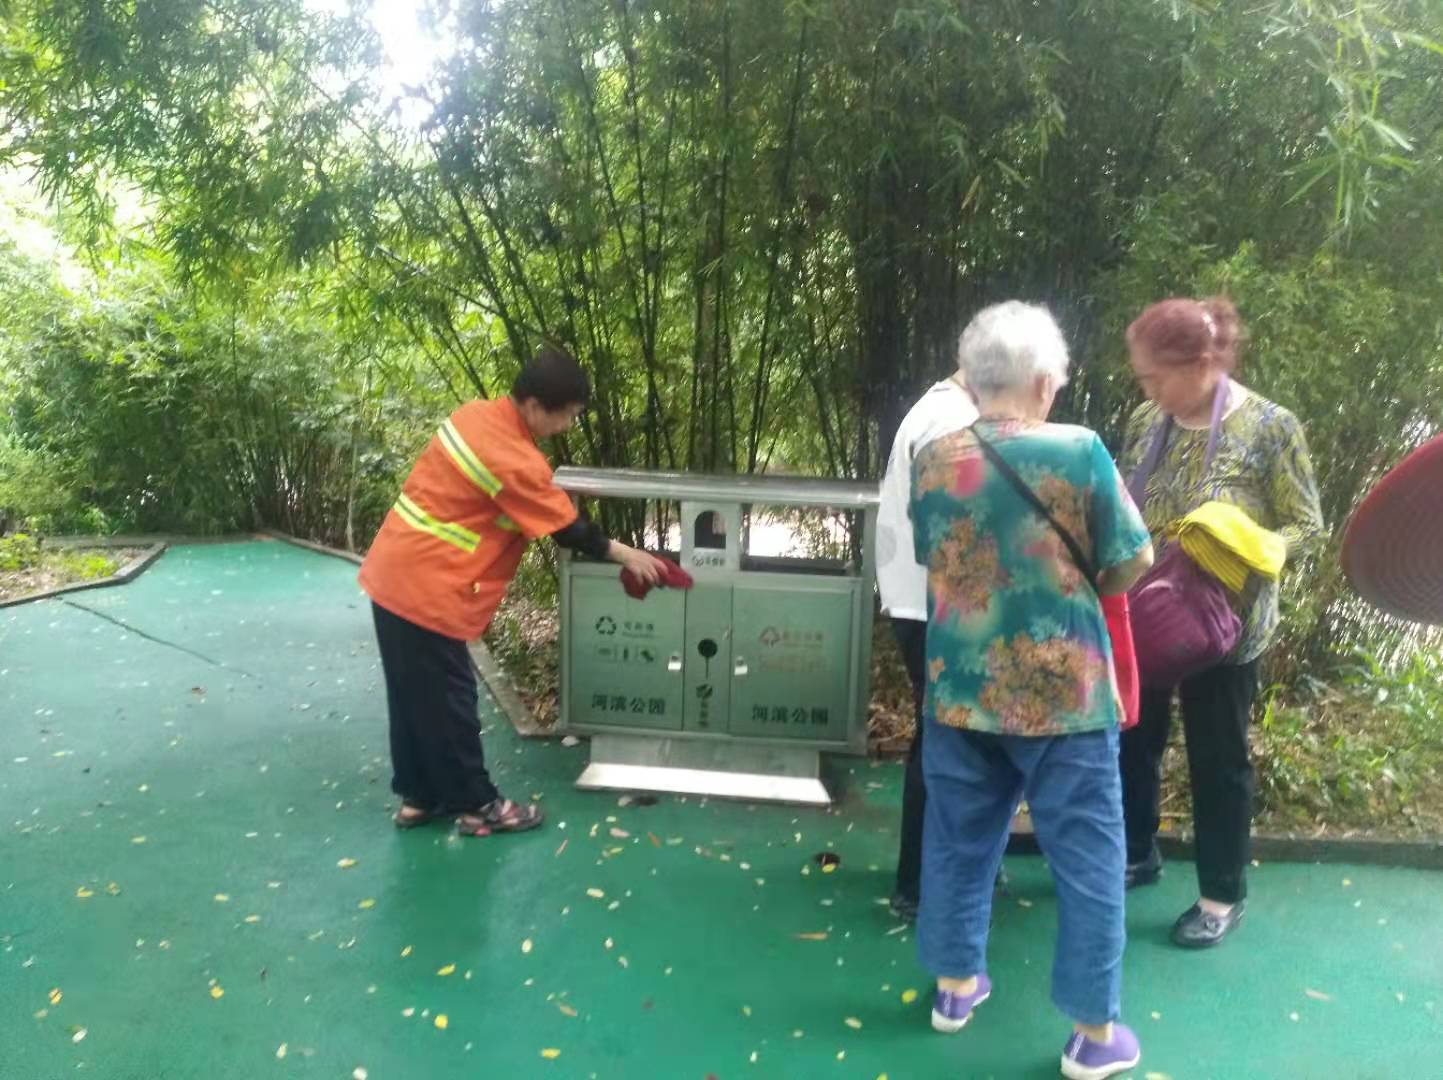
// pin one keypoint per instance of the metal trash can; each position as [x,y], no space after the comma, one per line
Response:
[737,686]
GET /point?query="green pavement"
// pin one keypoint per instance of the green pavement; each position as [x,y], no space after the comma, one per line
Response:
[199,879]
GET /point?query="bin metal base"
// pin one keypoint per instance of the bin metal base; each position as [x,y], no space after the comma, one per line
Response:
[750,771]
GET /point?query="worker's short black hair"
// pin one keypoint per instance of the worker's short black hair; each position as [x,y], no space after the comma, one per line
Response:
[553,377]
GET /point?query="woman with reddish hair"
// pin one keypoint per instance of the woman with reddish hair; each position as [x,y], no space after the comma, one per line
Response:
[1201,437]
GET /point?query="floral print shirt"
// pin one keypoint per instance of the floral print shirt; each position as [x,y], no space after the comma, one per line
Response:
[1016,640]
[1261,465]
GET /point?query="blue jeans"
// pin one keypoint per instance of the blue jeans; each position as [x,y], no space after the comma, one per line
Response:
[1074,794]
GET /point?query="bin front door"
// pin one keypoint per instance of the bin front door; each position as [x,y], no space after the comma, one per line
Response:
[791,662]
[626,655]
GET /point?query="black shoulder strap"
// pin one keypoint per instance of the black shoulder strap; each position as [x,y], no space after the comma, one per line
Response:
[1078,556]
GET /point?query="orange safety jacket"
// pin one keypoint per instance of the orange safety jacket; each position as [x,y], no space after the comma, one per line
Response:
[451,543]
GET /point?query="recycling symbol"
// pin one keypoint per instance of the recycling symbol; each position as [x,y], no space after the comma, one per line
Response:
[606,626]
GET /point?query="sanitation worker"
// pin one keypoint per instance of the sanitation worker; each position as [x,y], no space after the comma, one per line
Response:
[437,570]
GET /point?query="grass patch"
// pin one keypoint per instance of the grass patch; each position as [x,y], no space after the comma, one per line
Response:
[27,566]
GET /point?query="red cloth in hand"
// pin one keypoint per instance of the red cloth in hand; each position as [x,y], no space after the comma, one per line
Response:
[1124,655]
[672,577]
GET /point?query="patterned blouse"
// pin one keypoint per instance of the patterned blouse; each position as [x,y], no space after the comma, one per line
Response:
[1016,640]
[1261,465]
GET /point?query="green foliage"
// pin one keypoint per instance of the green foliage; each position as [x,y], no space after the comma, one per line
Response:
[761,225]
[19,552]
[1366,751]
[79,566]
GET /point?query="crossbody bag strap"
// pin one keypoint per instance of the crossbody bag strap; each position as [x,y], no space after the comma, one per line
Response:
[1137,485]
[1074,549]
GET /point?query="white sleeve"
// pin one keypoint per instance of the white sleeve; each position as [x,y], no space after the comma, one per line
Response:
[898,575]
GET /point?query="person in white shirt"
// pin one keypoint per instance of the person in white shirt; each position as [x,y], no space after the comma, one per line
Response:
[902,582]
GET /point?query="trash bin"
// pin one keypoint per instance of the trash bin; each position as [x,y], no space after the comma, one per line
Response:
[737,686]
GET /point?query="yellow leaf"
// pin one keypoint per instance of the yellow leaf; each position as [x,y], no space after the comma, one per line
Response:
[566,1010]
[55,996]
[252,919]
[816,935]
[406,951]
[113,889]
[83,893]
[137,839]
[222,898]
[367,904]
[346,864]
[217,993]
[449,969]
[595,894]
[829,868]
[282,1051]
[746,1010]
[526,946]
[441,1022]
[908,996]
[853,1023]
[551,1053]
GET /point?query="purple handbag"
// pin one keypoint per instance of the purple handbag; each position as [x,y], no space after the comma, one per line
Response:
[1182,622]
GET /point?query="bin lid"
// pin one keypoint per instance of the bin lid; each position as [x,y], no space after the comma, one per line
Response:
[766,490]
[1391,550]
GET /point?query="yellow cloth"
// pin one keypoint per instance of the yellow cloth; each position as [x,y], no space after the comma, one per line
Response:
[1228,544]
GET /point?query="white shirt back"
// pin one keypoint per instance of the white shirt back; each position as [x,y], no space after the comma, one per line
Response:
[901,580]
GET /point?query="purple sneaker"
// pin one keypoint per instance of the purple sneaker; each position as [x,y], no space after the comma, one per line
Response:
[1083,1059]
[951,1011]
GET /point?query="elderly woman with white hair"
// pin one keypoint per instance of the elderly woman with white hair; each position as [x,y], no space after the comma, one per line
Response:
[1022,525]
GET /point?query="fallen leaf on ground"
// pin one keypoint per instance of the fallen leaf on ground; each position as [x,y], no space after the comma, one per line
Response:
[113,889]
[1318,995]
[55,996]
[908,996]
[137,839]
[620,834]
[815,935]
[853,1023]
[346,864]
[1022,901]
[566,1009]
[78,1034]
[217,993]
[253,919]
[551,1053]
[449,969]
[562,848]
[655,840]
[406,951]
[359,1073]
[441,1021]
[526,946]
[83,893]
[596,894]
[367,904]
[222,898]
[282,1051]
[409,1012]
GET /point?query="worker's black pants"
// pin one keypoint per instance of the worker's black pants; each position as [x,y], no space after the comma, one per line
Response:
[436,756]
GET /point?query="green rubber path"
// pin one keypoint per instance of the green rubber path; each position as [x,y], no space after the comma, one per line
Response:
[199,879]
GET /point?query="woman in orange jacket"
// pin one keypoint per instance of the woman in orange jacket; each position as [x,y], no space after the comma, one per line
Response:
[438,568]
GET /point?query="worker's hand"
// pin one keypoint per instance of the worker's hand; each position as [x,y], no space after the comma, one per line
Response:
[644,567]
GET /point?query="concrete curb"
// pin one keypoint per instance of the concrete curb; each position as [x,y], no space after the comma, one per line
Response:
[486,665]
[1409,854]
[126,574]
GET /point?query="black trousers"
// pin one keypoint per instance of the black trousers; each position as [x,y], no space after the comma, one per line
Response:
[1216,706]
[912,641]
[436,756]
